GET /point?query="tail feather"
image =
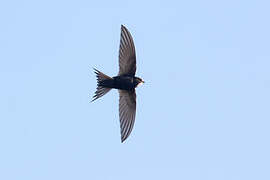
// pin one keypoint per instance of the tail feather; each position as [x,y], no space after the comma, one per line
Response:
[101,90]
[101,76]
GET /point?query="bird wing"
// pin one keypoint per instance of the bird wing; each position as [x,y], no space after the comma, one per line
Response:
[127,55]
[127,112]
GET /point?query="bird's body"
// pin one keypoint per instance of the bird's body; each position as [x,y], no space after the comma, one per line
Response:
[125,82]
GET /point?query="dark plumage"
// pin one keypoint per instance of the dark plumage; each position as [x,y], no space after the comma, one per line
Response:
[125,82]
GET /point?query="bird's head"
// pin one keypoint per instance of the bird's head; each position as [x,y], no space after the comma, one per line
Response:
[138,81]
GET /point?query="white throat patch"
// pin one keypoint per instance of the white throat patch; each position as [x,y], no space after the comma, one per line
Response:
[140,83]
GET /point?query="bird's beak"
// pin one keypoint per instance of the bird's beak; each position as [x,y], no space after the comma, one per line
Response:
[141,82]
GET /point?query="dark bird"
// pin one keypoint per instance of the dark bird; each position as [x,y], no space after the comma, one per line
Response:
[125,82]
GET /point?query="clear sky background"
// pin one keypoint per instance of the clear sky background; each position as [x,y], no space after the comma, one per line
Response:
[203,112]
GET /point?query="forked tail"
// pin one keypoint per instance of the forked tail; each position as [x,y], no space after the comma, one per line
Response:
[101,90]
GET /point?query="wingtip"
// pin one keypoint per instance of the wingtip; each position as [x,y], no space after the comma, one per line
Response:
[123,140]
[123,27]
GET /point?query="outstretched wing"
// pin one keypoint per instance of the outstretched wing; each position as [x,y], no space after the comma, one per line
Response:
[127,55]
[127,112]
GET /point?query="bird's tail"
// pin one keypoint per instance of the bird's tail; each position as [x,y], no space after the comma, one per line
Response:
[101,82]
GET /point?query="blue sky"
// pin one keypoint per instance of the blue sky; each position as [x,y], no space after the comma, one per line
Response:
[203,112]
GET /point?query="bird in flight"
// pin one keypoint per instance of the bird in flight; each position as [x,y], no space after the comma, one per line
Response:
[125,82]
